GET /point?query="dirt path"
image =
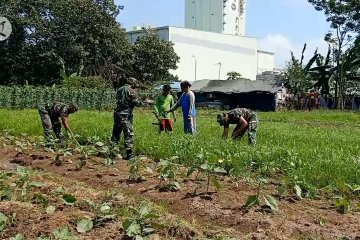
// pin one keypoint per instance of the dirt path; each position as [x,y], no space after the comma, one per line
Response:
[221,212]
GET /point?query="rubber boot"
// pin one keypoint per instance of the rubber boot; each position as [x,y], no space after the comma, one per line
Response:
[129,154]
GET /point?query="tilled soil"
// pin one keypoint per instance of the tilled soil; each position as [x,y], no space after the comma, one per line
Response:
[209,214]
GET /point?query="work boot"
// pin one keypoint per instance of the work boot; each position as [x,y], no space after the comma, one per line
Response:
[129,154]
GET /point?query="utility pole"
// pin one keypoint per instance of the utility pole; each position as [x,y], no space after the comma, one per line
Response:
[195,65]
[219,69]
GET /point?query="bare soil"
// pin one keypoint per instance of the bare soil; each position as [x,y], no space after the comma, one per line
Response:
[207,214]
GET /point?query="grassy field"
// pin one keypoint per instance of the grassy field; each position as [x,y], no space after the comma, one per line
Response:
[318,151]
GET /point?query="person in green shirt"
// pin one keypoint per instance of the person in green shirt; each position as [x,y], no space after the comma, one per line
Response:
[164,103]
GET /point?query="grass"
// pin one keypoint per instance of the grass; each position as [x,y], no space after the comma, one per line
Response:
[314,150]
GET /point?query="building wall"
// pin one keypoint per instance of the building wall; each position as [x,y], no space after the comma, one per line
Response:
[220,16]
[266,61]
[234,52]
[234,17]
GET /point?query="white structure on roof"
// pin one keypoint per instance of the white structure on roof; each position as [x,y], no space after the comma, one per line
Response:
[220,16]
[209,55]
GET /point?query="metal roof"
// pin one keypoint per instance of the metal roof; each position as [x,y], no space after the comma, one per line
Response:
[234,86]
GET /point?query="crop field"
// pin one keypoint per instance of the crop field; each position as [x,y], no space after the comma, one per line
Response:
[301,180]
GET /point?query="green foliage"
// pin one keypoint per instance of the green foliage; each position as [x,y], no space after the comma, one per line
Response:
[48,31]
[63,234]
[84,225]
[86,98]
[233,75]
[167,174]
[18,236]
[139,226]
[153,58]
[3,221]
[297,75]
[69,199]
[94,82]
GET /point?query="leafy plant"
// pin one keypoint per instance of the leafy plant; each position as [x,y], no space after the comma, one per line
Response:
[63,234]
[210,170]
[69,199]
[255,199]
[103,212]
[139,226]
[18,236]
[167,175]
[135,165]
[84,225]
[3,221]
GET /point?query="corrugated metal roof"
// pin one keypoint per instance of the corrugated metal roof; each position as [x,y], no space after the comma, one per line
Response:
[234,86]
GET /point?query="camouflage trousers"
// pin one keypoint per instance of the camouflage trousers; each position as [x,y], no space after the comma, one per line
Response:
[50,124]
[251,129]
[123,123]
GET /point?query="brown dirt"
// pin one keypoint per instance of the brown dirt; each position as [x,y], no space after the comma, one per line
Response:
[211,214]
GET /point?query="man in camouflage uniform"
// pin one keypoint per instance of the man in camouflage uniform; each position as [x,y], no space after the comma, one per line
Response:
[51,114]
[245,120]
[127,99]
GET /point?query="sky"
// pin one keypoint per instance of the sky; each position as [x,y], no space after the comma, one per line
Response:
[280,25]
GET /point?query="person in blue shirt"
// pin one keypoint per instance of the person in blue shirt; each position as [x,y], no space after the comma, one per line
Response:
[187,103]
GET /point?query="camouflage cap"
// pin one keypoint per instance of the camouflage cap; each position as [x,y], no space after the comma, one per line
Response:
[221,119]
[132,82]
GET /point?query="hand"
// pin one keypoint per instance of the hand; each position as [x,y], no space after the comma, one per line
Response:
[70,133]
[149,101]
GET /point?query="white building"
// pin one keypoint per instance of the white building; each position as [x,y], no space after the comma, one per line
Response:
[208,55]
[220,16]
[213,42]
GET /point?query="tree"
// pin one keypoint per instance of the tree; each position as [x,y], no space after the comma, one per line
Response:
[83,33]
[297,75]
[344,16]
[233,75]
[153,58]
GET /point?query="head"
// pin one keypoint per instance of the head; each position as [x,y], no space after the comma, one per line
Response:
[73,108]
[166,90]
[222,119]
[185,86]
[133,82]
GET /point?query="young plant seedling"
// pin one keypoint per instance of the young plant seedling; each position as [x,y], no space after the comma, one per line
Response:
[167,176]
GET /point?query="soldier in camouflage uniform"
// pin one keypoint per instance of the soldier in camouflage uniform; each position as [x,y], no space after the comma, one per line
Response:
[127,99]
[51,114]
[245,120]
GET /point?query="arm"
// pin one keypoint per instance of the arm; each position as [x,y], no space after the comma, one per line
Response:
[226,132]
[173,113]
[65,123]
[177,105]
[243,125]
[155,107]
[134,98]
[192,104]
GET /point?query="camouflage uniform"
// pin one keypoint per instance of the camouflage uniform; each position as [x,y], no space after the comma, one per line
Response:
[123,116]
[250,117]
[50,118]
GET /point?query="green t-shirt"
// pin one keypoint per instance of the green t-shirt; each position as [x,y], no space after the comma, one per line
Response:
[162,104]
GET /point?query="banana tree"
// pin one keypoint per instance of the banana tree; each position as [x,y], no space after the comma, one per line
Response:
[297,74]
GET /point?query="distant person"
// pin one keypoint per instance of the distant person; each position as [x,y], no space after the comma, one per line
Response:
[245,120]
[126,99]
[164,103]
[50,115]
[187,103]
